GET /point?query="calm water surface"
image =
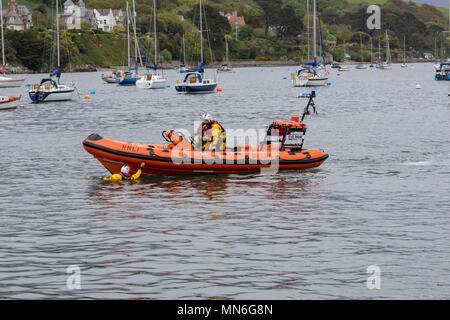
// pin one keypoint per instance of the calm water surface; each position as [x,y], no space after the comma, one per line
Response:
[382,198]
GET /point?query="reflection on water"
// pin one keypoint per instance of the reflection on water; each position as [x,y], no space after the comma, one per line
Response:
[380,199]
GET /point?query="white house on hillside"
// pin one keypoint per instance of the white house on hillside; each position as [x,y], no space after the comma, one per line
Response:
[104,19]
[17,17]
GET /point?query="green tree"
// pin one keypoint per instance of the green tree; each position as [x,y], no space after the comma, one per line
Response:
[245,32]
[271,9]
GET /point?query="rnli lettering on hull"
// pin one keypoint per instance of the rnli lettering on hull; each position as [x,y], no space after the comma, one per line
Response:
[129,147]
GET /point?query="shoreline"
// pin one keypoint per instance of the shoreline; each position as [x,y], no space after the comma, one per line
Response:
[172,66]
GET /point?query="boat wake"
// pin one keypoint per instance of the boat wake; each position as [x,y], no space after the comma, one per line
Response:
[419,163]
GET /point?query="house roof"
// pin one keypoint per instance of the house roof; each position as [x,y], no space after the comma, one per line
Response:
[23,10]
[68,3]
[13,19]
[104,12]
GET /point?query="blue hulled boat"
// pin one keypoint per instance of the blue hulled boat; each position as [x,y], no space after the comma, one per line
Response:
[128,78]
[443,72]
[194,82]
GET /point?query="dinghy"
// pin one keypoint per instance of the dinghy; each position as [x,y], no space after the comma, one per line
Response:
[281,149]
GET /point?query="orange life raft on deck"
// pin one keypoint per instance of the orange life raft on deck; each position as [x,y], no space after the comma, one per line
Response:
[281,149]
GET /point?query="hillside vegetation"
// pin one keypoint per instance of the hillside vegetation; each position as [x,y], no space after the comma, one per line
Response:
[274,30]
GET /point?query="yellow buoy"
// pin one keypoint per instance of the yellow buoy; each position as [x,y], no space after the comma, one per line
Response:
[87,96]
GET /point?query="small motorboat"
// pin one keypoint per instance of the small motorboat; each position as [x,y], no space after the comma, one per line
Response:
[361,66]
[112,77]
[282,148]
[152,81]
[10,102]
[8,82]
[182,69]
[344,67]
[335,65]
[224,68]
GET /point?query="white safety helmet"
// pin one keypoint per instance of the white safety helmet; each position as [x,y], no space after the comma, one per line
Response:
[125,169]
[206,116]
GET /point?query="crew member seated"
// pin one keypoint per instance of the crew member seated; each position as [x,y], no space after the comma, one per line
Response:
[211,135]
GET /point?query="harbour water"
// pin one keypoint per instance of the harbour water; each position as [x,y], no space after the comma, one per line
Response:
[382,197]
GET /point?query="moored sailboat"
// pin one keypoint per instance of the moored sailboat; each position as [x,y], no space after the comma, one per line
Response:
[182,67]
[49,89]
[226,67]
[404,64]
[310,75]
[155,80]
[194,81]
[361,65]
[5,81]
[130,77]
[387,64]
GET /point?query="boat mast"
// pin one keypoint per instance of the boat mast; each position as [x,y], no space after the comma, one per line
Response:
[201,35]
[154,29]
[388,52]
[307,29]
[404,50]
[314,32]
[360,46]
[128,35]
[3,40]
[135,36]
[184,51]
[371,51]
[435,50]
[57,32]
[226,49]
[379,49]
[345,53]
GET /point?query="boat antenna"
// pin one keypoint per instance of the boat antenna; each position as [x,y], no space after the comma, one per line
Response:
[311,103]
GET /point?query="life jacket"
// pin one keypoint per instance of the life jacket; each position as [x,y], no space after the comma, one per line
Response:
[204,131]
[125,176]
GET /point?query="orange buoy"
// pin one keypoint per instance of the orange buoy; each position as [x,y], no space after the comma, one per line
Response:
[22,106]
[87,96]
[219,89]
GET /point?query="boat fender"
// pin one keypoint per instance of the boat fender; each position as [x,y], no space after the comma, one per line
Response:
[168,146]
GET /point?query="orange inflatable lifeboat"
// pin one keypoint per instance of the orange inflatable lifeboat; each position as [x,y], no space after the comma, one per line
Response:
[281,149]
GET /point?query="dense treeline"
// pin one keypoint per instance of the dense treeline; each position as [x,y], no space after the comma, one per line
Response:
[275,29]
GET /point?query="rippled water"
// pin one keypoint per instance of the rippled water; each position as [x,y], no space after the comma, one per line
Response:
[382,198]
